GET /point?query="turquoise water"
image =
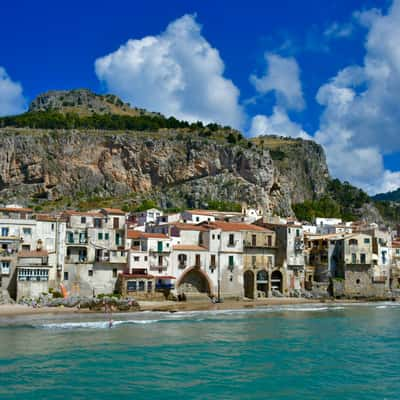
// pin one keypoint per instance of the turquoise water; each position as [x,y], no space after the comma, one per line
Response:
[294,352]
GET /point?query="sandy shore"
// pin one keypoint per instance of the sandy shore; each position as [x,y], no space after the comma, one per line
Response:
[167,306]
[173,306]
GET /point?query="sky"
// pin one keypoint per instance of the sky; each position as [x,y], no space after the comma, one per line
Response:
[322,70]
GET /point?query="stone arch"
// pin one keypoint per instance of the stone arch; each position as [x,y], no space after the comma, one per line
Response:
[248,279]
[194,280]
[277,281]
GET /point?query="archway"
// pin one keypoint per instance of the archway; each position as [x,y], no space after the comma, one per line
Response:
[276,281]
[248,278]
[194,281]
[262,283]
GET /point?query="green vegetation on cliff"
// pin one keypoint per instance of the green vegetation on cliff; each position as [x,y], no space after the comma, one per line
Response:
[342,200]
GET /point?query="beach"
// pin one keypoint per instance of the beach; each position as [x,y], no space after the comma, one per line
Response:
[10,310]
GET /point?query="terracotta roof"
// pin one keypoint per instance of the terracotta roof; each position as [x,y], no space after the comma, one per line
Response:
[48,218]
[83,213]
[189,247]
[34,253]
[16,209]
[235,226]
[188,227]
[139,234]
[396,244]
[115,211]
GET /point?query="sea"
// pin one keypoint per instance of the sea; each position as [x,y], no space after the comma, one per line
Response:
[316,351]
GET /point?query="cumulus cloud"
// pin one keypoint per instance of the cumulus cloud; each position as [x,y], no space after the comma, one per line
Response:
[283,78]
[11,98]
[361,119]
[278,123]
[177,73]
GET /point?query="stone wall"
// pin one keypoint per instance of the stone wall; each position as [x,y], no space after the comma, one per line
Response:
[359,282]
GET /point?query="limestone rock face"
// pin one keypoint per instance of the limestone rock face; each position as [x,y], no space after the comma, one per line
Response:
[176,170]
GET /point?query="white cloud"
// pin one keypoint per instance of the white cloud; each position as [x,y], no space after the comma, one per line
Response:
[336,30]
[282,77]
[176,73]
[11,98]
[278,123]
[361,119]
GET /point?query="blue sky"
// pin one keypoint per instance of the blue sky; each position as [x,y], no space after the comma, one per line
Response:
[299,68]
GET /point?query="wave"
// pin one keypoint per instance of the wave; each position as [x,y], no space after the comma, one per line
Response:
[95,324]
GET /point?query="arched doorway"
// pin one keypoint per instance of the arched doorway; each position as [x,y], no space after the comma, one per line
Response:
[194,281]
[262,283]
[276,281]
[248,278]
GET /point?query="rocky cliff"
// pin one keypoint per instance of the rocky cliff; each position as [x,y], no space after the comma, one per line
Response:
[173,168]
[183,166]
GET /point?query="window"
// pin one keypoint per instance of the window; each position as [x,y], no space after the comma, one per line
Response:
[90,272]
[70,237]
[97,223]
[213,236]
[231,241]
[145,258]
[114,272]
[136,258]
[198,260]
[354,258]
[131,286]
[122,254]
[254,240]
[353,242]
[269,241]
[107,236]
[160,261]
[366,240]
[297,232]
[197,219]
[26,247]
[117,239]
[83,220]
[4,231]
[231,261]
[5,267]
[253,260]
[363,258]
[149,286]
[27,231]
[52,227]
[100,236]
[182,260]
[213,259]
[65,275]
[218,237]
[141,286]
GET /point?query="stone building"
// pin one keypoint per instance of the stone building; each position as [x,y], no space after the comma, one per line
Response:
[259,261]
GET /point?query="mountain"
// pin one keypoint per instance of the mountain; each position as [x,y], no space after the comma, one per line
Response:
[389,196]
[79,149]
